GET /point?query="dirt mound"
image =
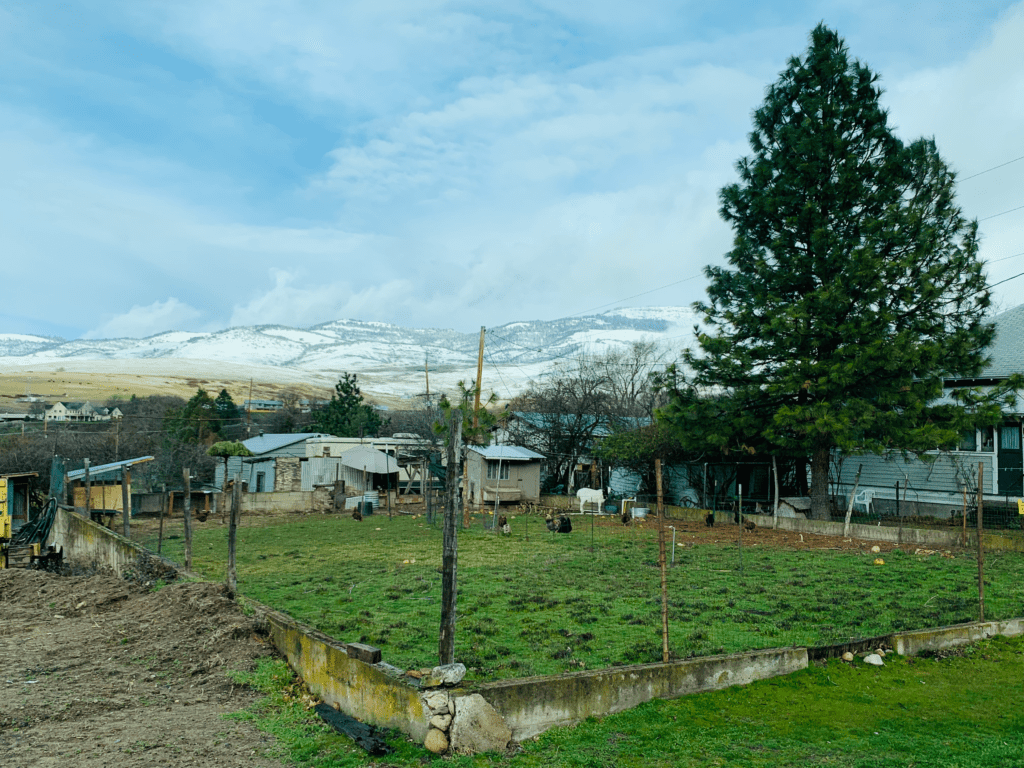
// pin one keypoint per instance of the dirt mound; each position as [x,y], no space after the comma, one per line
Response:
[100,671]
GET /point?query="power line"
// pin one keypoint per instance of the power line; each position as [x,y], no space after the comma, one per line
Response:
[1004,258]
[994,167]
[1014,277]
[994,215]
[637,295]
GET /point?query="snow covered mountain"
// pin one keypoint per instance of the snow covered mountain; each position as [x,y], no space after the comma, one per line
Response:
[388,357]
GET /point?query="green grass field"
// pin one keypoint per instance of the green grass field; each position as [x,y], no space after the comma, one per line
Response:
[966,711]
[538,603]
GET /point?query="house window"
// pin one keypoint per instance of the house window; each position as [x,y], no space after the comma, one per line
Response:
[1009,438]
[494,469]
[974,440]
[327,451]
[261,480]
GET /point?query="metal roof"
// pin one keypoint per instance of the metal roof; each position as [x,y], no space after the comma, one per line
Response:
[506,452]
[267,443]
[1007,350]
[106,469]
[370,459]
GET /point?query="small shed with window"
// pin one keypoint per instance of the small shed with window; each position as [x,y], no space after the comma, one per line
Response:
[508,473]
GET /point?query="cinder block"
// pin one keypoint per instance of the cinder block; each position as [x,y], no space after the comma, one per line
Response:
[363,652]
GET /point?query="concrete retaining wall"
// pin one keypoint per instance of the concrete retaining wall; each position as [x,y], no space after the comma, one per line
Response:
[533,705]
[319,500]
[364,691]
[84,541]
[913,643]
[922,537]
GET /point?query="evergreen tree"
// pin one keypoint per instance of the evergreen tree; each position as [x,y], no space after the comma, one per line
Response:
[345,414]
[196,422]
[855,285]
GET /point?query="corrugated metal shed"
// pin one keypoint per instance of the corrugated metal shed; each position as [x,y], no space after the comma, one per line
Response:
[363,457]
[276,442]
[506,453]
[114,468]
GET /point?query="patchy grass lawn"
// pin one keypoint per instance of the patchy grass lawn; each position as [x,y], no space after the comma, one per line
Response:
[963,711]
[537,603]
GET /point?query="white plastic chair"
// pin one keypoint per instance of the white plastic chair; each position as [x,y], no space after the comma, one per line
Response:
[864,498]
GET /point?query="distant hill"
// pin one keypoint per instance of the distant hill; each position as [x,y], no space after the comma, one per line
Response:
[388,357]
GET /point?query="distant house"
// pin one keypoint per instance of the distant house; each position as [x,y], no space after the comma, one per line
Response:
[937,487]
[505,472]
[262,406]
[66,411]
[275,466]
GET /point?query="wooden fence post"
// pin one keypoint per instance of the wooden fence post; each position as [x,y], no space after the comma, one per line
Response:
[126,500]
[981,546]
[661,563]
[187,517]
[232,575]
[450,547]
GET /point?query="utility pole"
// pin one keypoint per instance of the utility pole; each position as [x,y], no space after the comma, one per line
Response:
[479,379]
[426,373]
[476,424]
[248,423]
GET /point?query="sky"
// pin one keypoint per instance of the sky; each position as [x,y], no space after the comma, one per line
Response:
[199,164]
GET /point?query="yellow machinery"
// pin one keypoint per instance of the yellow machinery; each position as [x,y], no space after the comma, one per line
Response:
[24,548]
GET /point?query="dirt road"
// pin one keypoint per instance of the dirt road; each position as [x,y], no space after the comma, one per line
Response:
[97,672]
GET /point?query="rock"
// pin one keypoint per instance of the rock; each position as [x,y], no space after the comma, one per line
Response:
[437,703]
[80,606]
[477,727]
[847,656]
[441,722]
[874,660]
[876,549]
[446,674]
[414,673]
[881,652]
[436,741]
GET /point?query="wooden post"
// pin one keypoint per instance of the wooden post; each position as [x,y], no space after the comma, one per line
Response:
[899,521]
[88,490]
[849,507]
[965,516]
[740,518]
[187,516]
[775,511]
[387,467]
[661,563]
[450,546]
[160,534]
[981,546]
[232,575]
[126,500]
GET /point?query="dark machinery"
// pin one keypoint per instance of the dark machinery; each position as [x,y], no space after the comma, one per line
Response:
[24,548]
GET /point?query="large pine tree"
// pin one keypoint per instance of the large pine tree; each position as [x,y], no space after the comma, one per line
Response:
[854,284]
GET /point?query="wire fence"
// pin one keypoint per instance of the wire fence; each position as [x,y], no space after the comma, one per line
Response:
[538,601]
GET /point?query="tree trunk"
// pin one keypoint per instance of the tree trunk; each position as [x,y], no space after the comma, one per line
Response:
[819,483]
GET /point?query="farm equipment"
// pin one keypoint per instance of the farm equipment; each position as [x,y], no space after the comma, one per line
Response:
[24,548]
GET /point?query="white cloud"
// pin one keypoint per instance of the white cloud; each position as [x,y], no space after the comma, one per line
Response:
[139,322]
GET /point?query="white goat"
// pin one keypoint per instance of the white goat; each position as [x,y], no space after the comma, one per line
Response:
[590,496]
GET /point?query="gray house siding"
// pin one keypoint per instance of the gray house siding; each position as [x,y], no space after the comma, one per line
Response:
[926,487]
